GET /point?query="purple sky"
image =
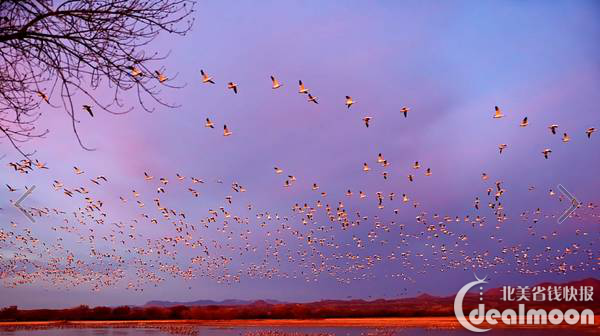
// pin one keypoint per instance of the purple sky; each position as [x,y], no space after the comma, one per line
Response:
[450,63]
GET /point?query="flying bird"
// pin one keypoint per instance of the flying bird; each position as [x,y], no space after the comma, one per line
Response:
[312,99]
[565,138]
[135,71]
[88,109]
[161,77]
[366,120]
[349,101]
[232,86]
[546,152]
[553,128]
[501,147]
[226,131]
[209,124]
[40,165]
[206,78]
[366,167]
[498,113]
[524,123]
[404,110]
[590,131]
[43,96]
[302,89]
[276,84]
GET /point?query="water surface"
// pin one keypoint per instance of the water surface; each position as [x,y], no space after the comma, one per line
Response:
[275,331]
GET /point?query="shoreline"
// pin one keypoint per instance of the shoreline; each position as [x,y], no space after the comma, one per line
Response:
[394,322]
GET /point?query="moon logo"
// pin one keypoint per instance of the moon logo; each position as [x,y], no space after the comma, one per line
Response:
[458,301]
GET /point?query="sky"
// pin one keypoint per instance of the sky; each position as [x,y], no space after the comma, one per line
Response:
[450,62]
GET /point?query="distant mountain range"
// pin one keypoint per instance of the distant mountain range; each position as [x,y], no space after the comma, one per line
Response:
[423,305]
[424,302]
[200,303]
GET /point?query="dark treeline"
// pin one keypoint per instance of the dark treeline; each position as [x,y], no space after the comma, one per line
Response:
[261,310]
[254,311]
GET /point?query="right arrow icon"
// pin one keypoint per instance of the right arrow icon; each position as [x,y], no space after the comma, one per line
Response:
[571,209]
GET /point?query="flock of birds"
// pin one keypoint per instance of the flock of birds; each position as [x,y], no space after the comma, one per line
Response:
[525,122]
[333,233]
[276,85]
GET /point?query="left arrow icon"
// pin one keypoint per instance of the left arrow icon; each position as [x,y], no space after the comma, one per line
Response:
[17,204]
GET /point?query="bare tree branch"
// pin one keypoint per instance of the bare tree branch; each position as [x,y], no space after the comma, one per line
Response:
[75,47]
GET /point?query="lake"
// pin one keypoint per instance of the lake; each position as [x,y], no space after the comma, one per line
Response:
[190,330]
